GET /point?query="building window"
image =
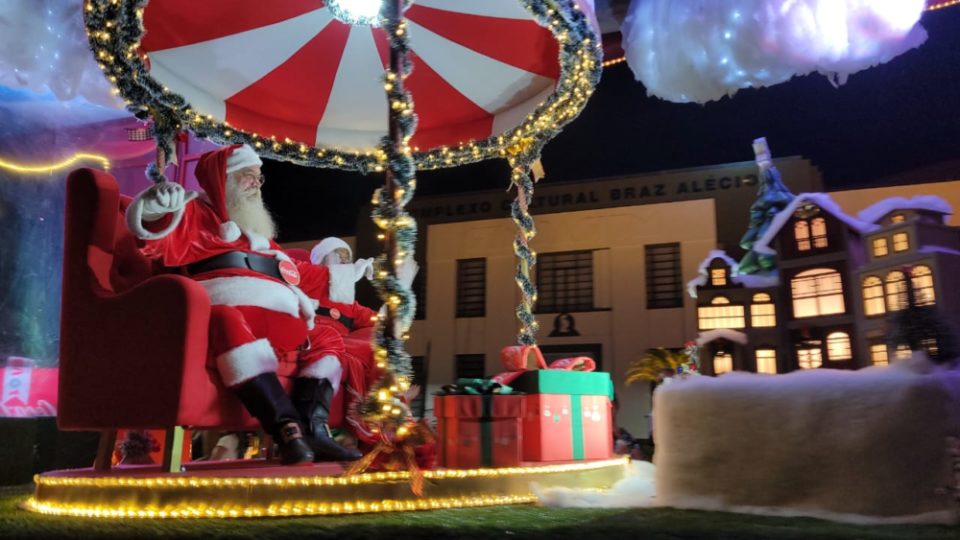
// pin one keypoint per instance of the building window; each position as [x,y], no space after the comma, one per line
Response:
[897,218]
[718,277]
[878,354]
[470,366]
[420,290]
[838,346]
[873,296]
[471,287]
[922,279]
[880,247]
[902,353]
[664,279]
[801,231]
[896,291]
[419,367]
[565,282]
[818,229]
[720,314]
[817,292]
[767,361]
[722,363]
[763,313]
[900,242]
[809,355]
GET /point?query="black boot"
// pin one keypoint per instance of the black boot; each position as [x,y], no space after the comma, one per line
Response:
[266,400]
[312,398]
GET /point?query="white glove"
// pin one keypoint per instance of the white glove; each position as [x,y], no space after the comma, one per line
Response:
[163,198]
[407,271]
[308,306]
[363,268]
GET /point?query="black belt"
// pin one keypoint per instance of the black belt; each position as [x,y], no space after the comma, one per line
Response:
[267,266]
[340,317]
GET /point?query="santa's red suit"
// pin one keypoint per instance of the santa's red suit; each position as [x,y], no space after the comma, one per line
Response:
[333,286]
[258,318]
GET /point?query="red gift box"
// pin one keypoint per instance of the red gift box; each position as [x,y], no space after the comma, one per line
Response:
[479,430]
[565,427]
[27,391]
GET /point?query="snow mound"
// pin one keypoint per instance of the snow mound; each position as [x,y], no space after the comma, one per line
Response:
[868,446]
[636,490]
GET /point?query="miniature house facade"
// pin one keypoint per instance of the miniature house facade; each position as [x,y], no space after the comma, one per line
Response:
[837,279]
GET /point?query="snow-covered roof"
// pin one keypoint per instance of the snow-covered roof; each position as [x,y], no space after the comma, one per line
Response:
[749,281]
[716,254]
[721,333]
[929,203]
[938,249]
[820,199]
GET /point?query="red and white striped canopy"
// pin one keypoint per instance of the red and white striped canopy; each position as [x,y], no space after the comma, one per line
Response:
[292,71]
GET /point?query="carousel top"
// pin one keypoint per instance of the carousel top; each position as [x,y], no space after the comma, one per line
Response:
[302,82]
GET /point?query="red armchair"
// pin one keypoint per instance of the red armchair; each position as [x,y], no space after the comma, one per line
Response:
[133,340]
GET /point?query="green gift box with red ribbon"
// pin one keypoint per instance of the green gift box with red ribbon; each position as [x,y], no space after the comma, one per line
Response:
[479,425]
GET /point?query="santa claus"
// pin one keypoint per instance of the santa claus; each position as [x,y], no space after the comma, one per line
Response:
[260,317]
[331,279]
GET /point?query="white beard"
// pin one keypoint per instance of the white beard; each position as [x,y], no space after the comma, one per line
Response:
[249,212]
[342,280]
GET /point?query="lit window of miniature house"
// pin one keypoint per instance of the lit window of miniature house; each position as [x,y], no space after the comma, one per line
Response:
[762,311]
[900,242]
[921,278]
[767,361]
[873,300]
[809,355]
[722,362]
[817,292]
[721,314]
[898,218]
[896,287]
[718,277]
[838,347]
[880,248]
[809,229]
[878,354]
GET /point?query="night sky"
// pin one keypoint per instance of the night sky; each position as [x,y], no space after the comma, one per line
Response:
[886,123]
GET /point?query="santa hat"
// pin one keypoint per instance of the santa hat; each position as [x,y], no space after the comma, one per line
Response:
[325,247]
[242,157]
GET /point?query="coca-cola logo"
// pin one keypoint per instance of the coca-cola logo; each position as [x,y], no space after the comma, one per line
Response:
[289,273]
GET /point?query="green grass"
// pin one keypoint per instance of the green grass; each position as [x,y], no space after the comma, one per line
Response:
[521,522]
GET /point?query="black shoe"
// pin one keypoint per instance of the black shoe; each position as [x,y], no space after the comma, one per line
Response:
[312,398]
[266,400]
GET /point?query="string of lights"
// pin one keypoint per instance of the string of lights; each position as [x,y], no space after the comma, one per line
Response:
[55,166]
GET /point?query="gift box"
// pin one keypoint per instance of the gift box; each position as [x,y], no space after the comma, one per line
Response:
[479,430]
[567,415]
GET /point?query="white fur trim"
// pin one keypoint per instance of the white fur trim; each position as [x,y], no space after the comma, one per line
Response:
[308,306]
[252,291]
[342,283]
[245,362]
[276,254]
[326,246]
[327,367]
[258,242]
[242,157]
[229,231]
[135,216]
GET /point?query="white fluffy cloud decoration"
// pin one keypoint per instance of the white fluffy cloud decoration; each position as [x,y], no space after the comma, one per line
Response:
[702,50]
[43,46]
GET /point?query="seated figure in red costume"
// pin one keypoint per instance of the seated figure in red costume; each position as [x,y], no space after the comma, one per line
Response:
[331,279]
[260,318]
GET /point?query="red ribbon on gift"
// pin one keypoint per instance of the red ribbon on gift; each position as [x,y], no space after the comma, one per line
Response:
[520,358]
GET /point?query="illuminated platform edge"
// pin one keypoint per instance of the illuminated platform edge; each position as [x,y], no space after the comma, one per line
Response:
[222,496]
